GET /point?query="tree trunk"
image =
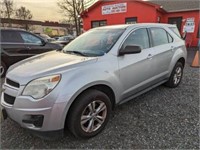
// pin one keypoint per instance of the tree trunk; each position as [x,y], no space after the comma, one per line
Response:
[75,17]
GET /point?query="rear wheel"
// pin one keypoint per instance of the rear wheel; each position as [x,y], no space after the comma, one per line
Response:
[3,69]
[89,114]
[176,76]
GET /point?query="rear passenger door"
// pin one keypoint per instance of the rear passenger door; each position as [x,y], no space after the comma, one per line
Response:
[162,51]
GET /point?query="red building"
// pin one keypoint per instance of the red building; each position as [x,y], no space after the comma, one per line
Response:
[184,14]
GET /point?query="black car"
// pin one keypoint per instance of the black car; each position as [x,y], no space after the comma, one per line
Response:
[17,44]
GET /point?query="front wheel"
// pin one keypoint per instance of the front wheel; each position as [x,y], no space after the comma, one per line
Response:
[2,69]
[89,114]
[176,76]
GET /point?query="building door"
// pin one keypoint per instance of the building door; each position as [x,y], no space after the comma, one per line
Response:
[177,21]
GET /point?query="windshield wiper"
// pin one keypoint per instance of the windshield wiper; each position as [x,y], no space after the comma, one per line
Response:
[76,52]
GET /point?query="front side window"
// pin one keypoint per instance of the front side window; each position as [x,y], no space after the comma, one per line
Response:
[29,38]
[139,38]
[95,42]
[10,37]
[159,36]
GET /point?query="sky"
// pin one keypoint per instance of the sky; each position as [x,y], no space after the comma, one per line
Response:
[42,10]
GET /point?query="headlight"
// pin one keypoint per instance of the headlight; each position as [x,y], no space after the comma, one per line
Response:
[41,87]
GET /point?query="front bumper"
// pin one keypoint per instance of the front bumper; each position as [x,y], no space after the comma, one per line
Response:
[25,107]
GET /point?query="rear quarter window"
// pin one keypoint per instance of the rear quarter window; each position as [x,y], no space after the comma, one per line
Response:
[170,39]
[175,30]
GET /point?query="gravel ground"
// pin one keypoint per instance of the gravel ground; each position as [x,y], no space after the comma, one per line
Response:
[163,118]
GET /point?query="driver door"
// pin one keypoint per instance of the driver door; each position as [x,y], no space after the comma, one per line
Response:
[136,70]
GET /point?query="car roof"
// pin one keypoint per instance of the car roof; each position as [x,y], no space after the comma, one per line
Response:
[125,26]
[12,29]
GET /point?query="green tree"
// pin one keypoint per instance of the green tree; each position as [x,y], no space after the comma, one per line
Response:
[48,31]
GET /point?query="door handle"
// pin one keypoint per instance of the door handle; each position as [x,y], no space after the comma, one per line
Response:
[172,48]
[149,56]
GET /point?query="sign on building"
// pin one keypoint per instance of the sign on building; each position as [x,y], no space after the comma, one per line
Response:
[189,25]
[114,8]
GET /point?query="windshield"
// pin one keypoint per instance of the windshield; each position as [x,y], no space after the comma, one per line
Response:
[95,42]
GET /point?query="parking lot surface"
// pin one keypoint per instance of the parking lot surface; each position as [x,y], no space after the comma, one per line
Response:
[161,118]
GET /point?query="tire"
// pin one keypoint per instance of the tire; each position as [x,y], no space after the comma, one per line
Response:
[91,125]
[176,76]
[3,69]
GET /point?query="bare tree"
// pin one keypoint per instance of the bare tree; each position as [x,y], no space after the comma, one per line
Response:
[7,9]
[24,14]
[72,9]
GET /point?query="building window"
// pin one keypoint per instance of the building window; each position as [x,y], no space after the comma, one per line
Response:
[99,23]
[131,20]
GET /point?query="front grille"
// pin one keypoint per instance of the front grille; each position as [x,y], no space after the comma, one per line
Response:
[9,99]
[12,83]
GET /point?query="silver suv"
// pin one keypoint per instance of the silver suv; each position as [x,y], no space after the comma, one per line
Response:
[79,86]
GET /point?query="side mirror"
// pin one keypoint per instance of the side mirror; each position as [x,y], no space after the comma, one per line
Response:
[130,49]
[43,42]
[184,35]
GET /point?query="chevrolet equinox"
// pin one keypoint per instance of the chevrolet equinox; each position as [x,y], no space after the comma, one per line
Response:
[78,87]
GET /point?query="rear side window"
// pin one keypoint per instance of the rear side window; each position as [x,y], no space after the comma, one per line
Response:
[159,36]
[175,30]
[138,37]
[29,38]
[10,37]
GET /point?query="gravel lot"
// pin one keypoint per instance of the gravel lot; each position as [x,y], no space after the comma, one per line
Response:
[163,118]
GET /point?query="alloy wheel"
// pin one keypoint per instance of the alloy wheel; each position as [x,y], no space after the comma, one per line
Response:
[177,75]
[93,116]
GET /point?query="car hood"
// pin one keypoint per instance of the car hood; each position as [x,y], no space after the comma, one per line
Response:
[46,64]
[58,42]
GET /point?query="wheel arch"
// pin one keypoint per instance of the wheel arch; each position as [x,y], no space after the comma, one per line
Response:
[179,56]
[182,60]
[101,87]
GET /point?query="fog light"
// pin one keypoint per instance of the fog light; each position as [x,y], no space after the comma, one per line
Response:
[36,120]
